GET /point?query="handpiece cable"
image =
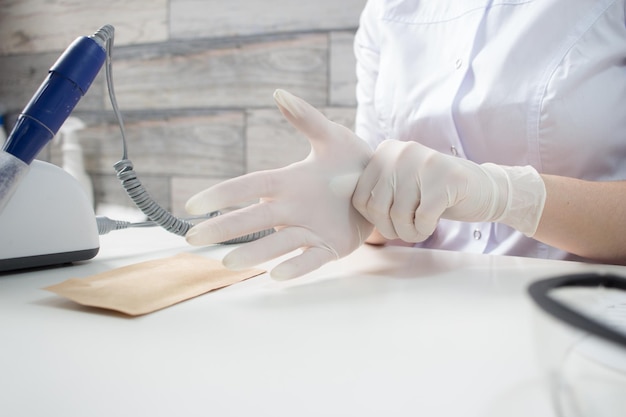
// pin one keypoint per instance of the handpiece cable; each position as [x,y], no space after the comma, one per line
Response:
[129,180]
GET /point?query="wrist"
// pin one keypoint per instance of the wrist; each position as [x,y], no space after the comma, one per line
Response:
[522,196]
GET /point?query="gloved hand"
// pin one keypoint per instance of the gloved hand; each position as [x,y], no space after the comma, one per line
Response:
[407,187]
[308,202]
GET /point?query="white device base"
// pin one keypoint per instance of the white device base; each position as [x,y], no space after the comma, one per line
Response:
[48,221]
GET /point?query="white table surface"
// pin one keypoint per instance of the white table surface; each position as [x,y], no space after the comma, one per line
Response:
[383,332]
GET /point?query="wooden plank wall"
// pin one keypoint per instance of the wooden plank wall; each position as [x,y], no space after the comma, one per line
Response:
[194,80]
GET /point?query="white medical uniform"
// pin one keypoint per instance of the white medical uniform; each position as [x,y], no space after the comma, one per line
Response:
[514,82]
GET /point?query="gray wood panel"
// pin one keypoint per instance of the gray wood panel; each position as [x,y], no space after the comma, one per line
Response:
[198,74]
[194,80]
[209,145]
[214,18]
[342,83]
[28,26]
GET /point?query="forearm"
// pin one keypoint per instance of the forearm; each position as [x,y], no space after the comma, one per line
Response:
[585,218]
[406,188]
[582,217]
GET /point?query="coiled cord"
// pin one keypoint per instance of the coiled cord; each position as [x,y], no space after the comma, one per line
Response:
[145,203]
[106,224]
[127,176]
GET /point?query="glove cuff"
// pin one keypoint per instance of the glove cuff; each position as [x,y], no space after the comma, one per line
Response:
[526,196]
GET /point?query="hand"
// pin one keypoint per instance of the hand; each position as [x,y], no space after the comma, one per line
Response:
[406,188]
[308,202]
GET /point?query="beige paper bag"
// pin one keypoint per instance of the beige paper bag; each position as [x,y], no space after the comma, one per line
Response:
[149,286]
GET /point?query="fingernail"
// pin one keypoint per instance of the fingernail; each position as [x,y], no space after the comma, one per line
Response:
[282,273]
[193,206]
[192,237]
[278,276]
[231,263]
[189,207]
[286,101]
[235,261]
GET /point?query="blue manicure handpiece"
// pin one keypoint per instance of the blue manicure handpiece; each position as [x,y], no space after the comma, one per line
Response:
[66,83]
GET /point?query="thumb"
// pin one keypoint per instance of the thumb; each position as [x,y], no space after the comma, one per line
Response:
[334,141]
[304,117]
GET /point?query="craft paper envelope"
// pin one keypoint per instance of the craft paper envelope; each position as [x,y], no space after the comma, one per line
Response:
[152,285]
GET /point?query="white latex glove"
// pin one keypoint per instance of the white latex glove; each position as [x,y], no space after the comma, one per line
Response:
[308,202]
[407,187]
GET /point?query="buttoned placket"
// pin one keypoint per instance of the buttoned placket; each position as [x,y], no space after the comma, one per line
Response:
[456,80]
[479,232]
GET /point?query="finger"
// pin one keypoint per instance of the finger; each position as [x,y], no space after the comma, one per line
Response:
[325,136]
[405,204]
[272,246]
[304,117]
[234,224]
[379,206]
[309,260]
[428,213]
[365,185]
[374,193]
[253,186]
[380,164]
